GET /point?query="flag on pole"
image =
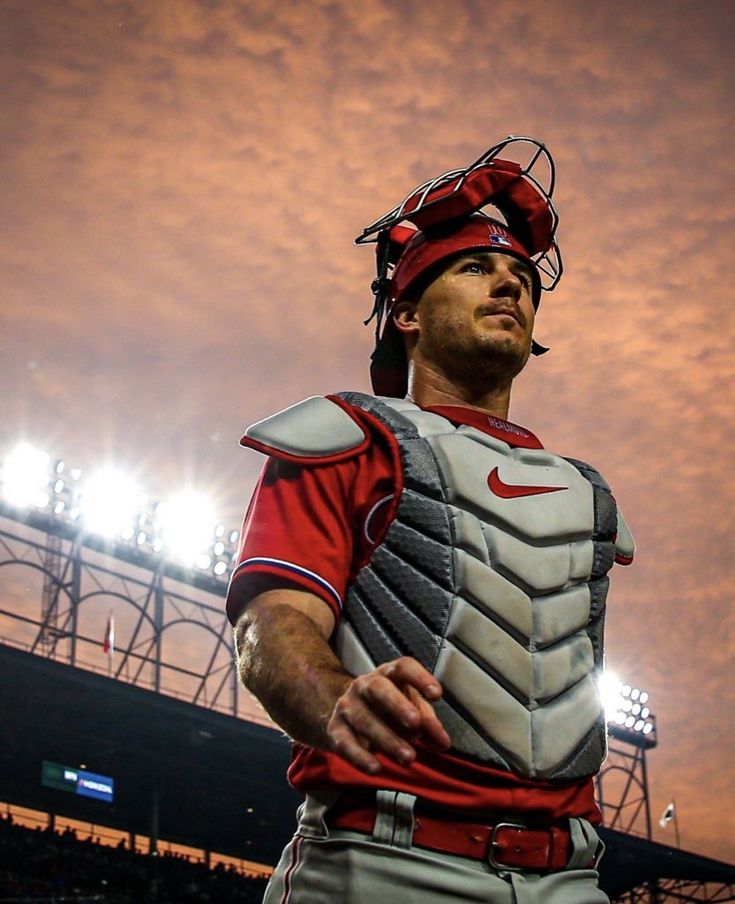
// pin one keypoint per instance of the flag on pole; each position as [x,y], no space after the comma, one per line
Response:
[668,815]
[108,645]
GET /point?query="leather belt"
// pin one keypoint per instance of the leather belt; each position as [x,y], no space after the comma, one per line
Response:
[505,845]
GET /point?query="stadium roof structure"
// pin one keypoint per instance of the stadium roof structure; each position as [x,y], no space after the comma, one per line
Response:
[211,780]
[631,862]
[188,774]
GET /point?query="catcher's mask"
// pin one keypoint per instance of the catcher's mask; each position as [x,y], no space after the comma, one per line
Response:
[443,218]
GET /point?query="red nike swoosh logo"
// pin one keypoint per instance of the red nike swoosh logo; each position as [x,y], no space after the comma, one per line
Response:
[513,490]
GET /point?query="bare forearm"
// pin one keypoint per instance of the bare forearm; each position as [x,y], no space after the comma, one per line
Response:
[285,661]
[284,658]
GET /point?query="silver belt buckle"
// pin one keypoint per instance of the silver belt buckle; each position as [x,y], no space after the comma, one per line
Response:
[493,844]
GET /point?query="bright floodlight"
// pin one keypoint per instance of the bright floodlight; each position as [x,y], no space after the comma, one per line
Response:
[109,503]
[26,473]
[187,526]
[624,709]
[611,693]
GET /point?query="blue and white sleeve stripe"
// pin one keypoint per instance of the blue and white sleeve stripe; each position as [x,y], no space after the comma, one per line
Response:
[296,569]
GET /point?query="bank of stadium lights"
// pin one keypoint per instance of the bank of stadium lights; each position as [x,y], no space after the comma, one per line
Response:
[187,524]
[25,476]
[109,504]
[627,712]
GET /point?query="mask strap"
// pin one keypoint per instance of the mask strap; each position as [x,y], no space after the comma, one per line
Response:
[381,285]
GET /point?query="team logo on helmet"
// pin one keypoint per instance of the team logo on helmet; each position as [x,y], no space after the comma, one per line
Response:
[498,235]
[499,240]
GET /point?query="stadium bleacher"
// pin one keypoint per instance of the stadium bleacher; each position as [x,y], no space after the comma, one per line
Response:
[48,865]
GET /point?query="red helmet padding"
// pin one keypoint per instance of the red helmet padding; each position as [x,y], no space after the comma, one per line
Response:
[389,378]
[477,188]
[500,183]
[477,231]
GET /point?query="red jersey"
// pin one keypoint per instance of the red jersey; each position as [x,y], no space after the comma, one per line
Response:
[315,527]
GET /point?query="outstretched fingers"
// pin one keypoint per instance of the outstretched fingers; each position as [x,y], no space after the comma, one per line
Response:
[385,711]
[432,731]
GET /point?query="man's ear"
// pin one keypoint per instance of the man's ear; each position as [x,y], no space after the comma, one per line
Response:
[405,318]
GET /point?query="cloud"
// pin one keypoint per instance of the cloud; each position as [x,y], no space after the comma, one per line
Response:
[182,184]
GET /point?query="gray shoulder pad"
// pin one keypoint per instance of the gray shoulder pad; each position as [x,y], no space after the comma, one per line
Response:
[624,543]
[316,428]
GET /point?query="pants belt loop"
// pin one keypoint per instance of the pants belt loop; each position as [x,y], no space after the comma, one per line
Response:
[586,844]
[394,821]
[311,813]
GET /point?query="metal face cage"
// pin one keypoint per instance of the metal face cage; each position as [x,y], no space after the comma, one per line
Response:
[519,185]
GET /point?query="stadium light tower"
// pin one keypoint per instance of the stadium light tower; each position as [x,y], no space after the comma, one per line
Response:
[187,524]
[628,715]
[110,505]
[622,784]
[25,476]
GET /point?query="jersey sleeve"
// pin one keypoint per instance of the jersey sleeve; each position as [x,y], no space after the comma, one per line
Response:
[306,526]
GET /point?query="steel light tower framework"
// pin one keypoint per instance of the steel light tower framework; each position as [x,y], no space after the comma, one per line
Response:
[622,784]
[622,795]
[153,599]
[682,890]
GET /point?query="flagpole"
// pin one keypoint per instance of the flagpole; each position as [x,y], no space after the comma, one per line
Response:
[109,643]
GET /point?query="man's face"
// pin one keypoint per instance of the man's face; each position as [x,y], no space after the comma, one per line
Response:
[476,318]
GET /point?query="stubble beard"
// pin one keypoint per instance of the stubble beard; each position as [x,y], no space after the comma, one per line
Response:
[477,363]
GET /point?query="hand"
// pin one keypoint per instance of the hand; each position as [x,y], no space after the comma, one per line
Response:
[385,711]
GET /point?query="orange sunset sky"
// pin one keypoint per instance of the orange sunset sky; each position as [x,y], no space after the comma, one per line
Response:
[181,183]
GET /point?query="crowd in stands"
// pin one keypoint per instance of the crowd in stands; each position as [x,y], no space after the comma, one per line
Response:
[43,865]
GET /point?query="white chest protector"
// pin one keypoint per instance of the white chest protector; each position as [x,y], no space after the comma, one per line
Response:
[493,575]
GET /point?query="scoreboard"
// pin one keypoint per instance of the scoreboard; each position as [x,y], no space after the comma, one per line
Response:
[77,781]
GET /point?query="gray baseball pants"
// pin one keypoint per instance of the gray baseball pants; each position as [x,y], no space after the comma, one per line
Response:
[336,866]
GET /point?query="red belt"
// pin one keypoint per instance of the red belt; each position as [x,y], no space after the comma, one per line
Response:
[504,845]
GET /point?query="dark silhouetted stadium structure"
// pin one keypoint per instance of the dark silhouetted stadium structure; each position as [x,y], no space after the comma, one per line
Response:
[162,724]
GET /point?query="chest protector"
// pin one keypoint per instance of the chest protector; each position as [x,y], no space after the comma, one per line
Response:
[493,575]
